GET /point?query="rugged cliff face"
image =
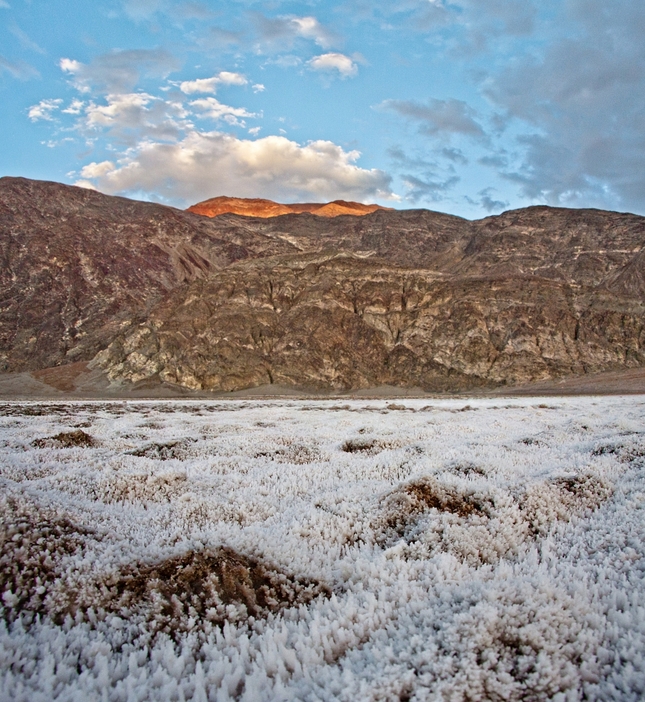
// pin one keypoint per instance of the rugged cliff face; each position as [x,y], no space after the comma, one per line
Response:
[408,298]
[340,321]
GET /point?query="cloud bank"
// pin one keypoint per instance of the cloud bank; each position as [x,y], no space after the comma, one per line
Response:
[207,164]
[585,98]
[438,117]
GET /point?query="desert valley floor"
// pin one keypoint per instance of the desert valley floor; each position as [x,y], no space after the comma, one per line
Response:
[482,549]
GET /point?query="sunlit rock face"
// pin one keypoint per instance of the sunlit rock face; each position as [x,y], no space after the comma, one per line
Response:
[258,207]
[409,298]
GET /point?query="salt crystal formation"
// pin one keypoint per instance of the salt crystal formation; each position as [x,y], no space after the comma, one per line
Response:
[298,550]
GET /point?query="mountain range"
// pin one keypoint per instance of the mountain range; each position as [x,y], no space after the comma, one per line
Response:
[210,299]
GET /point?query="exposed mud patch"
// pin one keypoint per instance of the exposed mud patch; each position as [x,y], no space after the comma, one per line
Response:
[430,516]
[298,454]
[66,439]
[52,409]
[213,586]
[163,452]
[404,506]
[429,493]
[466,469]
[625,453]
[366,445]
[531,441]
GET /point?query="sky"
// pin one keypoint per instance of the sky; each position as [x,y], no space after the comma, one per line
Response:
[470,107]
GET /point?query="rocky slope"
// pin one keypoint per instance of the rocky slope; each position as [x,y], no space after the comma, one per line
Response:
[76,265]
[341,321]
[409,298]
[258,207]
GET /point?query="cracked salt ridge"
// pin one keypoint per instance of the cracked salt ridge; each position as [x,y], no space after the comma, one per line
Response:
[560,618]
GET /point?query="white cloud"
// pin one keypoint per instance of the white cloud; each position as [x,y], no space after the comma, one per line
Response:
[70,66]
[212,108]
[254,131]
[334,62]
[130,117]
[97,170]
[85,184]
[278,33]
[258,88]
[43,110]
[75,107]
[125,110]
[209,85]
[203,165]
[310,28]
[119,71]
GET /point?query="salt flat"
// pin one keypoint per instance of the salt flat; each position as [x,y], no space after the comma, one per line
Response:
[487,549]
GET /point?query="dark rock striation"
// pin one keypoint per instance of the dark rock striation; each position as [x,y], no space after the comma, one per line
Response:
[409,298]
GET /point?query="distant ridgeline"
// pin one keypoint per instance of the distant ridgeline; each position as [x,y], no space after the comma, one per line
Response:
[256,207]
[414,298]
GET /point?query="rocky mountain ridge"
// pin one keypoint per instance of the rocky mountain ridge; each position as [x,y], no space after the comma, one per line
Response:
[258,207]
[408,298]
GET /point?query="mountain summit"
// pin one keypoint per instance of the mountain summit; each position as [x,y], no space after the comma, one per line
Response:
[257,207]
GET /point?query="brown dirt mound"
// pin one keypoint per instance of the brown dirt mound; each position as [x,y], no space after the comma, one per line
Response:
[367,446]
[626,453]
[33,544]
[406,504]
[212,585]
[562,498]
[298,454]
[162,452]
[66,439]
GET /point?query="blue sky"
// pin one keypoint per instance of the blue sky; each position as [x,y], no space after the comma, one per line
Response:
[469,106]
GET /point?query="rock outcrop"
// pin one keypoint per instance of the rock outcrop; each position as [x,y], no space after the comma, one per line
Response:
[408,298]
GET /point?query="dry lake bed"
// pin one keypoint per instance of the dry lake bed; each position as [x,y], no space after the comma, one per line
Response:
[446,550]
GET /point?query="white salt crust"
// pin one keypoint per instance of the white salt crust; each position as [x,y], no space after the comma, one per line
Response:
[514,572]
